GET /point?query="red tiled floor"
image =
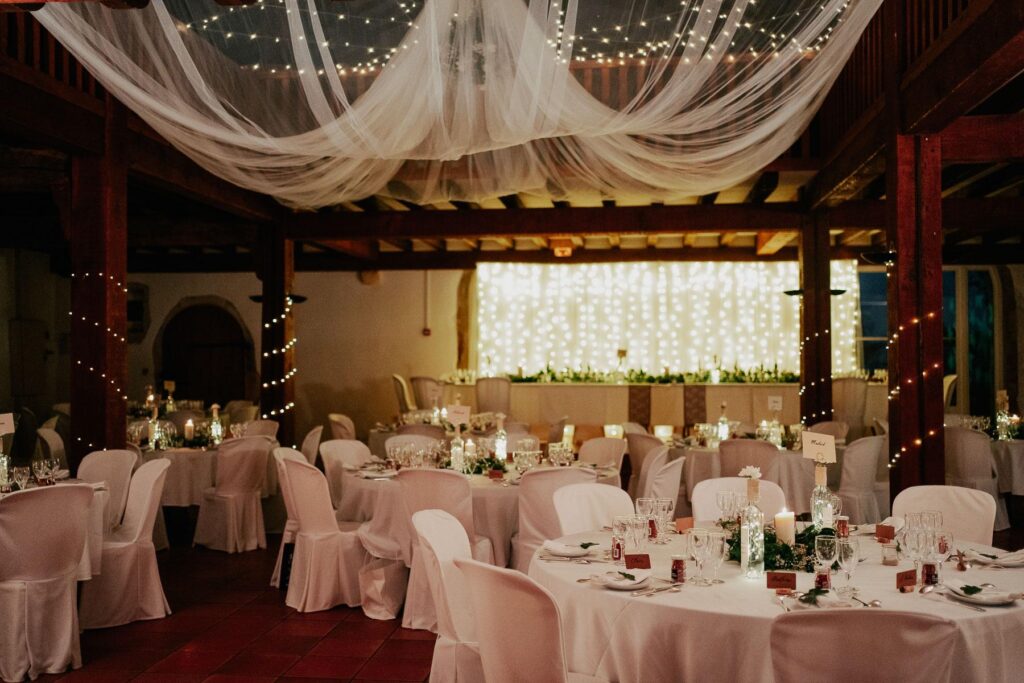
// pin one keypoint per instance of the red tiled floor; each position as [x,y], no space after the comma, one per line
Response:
[252,664]
[389,669]
[347,647]
[327,667]
[407,649]
[190,662]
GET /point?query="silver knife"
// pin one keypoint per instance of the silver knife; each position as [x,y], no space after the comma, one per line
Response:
[651,591]
[963,604]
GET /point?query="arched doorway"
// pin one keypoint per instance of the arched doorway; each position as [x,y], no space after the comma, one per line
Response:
[207,351]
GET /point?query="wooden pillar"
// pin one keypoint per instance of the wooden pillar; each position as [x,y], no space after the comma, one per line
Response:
[99,255]
[913,228]
[277,270]
[815,323]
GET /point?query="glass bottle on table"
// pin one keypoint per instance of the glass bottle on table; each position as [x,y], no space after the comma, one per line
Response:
[752,533]
[822,510]
[458,454]
[501,440]
[722,432]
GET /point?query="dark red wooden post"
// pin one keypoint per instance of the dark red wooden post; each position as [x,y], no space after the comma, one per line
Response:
[815,323]
[99,252]
[277,395]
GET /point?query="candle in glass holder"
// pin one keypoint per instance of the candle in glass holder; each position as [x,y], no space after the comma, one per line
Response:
[470,449]
[190,430]
[785,527]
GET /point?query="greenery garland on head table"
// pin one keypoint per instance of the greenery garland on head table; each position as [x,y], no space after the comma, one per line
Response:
[588,375]
[779,555]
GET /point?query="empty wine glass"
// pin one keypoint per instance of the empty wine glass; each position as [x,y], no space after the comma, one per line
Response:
[21,476]
[718,549]
[943,548]
[620,531]
[699,550]
[726,502]
[666,508]
[40,471]
[931,519]
[825,551]
[639,529]
[848,553]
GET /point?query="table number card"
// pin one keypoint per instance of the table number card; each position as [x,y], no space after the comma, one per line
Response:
[169,385]
[778,580]
[907,579]
[6,423]
[884,533]
[820,448]
[775,404]
[638,561]
[458,415]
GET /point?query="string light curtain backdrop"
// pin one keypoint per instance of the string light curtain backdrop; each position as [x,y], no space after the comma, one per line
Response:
[316,102]
[679,316]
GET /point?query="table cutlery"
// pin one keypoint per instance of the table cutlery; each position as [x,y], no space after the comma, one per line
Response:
[782,603]
[671,588]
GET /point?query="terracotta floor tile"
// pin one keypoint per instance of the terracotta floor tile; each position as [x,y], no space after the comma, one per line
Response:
[346,647]
[407,649]
[372,629]
[254,664]
[304,679]
[99,676]
[388,669]
[191,662]
[327,667]
[124,660]
[412,634]
[219,640]
[283,645]
[239,678]
[149,677]
[302,627]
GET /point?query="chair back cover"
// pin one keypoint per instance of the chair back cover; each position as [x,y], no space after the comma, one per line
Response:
[603,451]
[538,519]
[310,497]
[339,454]
[493,395]
[402,393]
[115,468]
[42,532]
[342,426]
[557,429]
[143,500]
[311,444]
[262,428]
[633,428]
[968,513]
[860,464]
[242,465]
[667,480]
[589,507]
[420,441]
[511,608]
[849,401]
[833,427]
[53,445]
[772,499]
[913,647]
[427,392]
[881,426]
[968,455]
[655,460]
[735,454]
[280,456]
[435,432]
[438,490]
[442,540]
[639,446]
[238,411]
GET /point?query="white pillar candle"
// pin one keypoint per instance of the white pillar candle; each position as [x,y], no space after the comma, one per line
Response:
[190,430]
[470,449]
[785,527]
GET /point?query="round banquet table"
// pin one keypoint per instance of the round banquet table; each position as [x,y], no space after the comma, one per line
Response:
[193,470]
[386,533]
[1009,458]
[722,632]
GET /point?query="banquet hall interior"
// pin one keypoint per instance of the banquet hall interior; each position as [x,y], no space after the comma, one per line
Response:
[511,340]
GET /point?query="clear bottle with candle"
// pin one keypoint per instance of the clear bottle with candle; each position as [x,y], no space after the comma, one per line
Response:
[435,414]
[216,429]
[153,428]
[501,440]
[752,533]
[457,452]
[723,425]
[821,499]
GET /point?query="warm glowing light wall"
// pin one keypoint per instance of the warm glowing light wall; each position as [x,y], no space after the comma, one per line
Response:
[666,315]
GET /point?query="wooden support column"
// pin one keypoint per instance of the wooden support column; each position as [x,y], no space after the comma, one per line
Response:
[277,270]
[99,256]
[914,232]
[815,323]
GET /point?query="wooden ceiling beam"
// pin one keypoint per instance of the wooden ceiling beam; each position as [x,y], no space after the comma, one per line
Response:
[763,188]
[769,243]
[365,250]
[984,139]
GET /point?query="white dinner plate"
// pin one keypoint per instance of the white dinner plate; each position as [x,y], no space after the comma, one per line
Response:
[617,582]
[1008,560]
[386,474]
[987,596]
[565,550]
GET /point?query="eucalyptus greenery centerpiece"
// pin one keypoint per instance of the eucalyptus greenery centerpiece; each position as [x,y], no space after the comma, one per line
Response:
[778,555]
[485,465]
[588,375]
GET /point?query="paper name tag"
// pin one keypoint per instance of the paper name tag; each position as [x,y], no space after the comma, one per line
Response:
[906,579]
[884,532]
[775,403]
[778,580]
[458,415]
[684,523]
[819,447]
[6,423]
[638,561]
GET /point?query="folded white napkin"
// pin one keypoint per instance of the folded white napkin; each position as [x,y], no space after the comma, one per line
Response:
[616,577]
[828,601]
[1015,557]
[993,594]
[561,548]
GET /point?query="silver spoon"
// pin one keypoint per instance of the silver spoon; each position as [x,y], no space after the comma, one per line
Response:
[873,603]
[782,603]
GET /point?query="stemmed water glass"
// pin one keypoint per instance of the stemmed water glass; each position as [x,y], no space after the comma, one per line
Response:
[621,531]
[942,548]
[645,507]
[700,549]
[41,472]
[848,552]
[21,476]
[665,508]
[717,551]
[825,551]
[639,529]
[726,501]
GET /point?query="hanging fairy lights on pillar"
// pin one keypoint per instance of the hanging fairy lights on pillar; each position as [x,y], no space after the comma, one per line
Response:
[289,375]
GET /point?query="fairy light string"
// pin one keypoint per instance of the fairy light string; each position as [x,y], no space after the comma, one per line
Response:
[289,376]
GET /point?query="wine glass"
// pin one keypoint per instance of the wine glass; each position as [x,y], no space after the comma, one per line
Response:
[726,502]
[848,552]
[639,529]
[931,519]
[699,550]
[39,470]
[718,550]
[943,548]
[21,476]
[825,551]
[54,466]
[666,508]
[620,531]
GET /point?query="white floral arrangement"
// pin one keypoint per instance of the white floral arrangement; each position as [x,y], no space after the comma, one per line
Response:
[751,472]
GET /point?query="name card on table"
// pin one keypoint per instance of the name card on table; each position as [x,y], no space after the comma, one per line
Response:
[638,561]
[458,415]
[6,423]
[684,523]
[779,580]
[819,447]
[775,403]
[907,579]
[884,533]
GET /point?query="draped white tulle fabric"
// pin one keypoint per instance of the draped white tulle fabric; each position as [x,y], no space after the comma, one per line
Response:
[317,102]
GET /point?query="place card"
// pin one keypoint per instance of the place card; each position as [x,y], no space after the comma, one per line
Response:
[778,580]
[169,385]
[820,448]
[458,415]
[775,404]
[6,423]
[642,561]
[884,533]
[907,579]
[684,523]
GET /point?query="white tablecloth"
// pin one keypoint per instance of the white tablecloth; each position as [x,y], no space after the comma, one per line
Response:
[194,470]
[721,633]
[1009,457]
[495,514]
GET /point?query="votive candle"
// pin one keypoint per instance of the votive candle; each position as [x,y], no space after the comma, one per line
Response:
[785,527]
[190,430]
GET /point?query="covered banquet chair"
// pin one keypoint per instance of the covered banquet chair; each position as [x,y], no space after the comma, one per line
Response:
[494,395]
[230,513]
[266,428]
[655,460]
[639,445]
[705,507]
[311,444]
[834,428]
[339,455]
[968,514]
[589,507]
[857,481]
[342,426]
[427,392]
[604,452]
[538,519]
[735,454]
[406,402]
[666,479]
[849,401]
[969,463]
[53,445]
[114,468]
[291,524]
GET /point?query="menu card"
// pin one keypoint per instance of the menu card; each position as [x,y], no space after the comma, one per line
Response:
[642,561]
[775,403]
[778,580]
[458,415]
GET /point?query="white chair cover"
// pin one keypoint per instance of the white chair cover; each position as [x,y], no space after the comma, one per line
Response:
[512,608]
[53,445]
[129,587]
[325,569]
[339,455]
[238,411]
[589,507]
[834,427]
[735,454]
[342,426]
[857,482]
[115,469]
[881,426]
[311,444]
[557,429]
[517,428]
[291,525]
[849,402]
[435,490]
[968,513]
[633,428]
[402,393]
[948,389]
[427,392]
[493,395]
[969,463]
[654,461]
[538,520]
[456,653]
[667,480]
[262,428]
[230,514]
[771,500]
[160,540]
[416,440]
[428,431]
[638,446]
[42,537]
[910,647]
[604,451]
